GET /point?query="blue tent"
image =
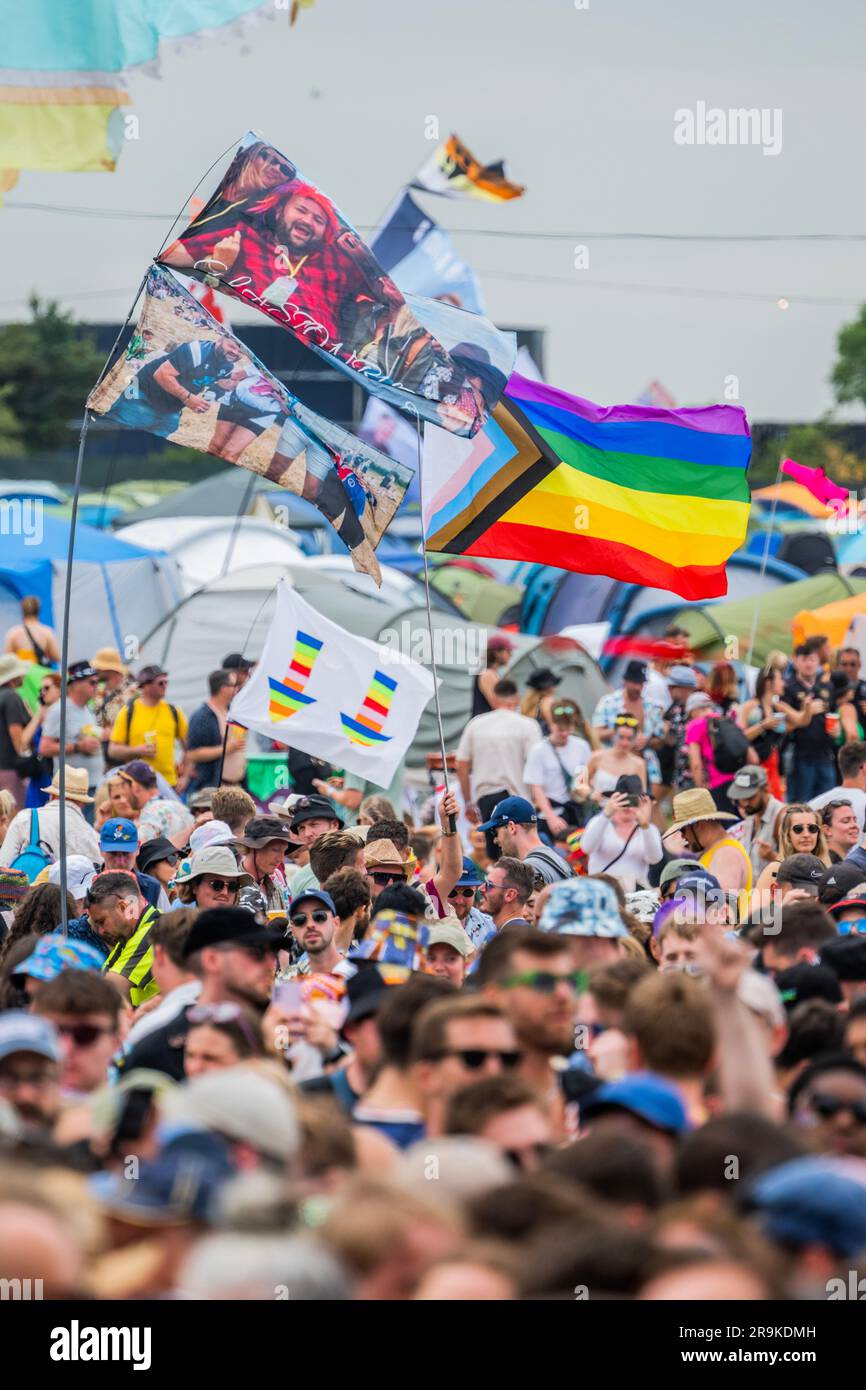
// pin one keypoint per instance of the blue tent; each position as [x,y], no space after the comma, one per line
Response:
[119,591]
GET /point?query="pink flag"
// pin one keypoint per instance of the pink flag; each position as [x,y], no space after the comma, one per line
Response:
[815,480]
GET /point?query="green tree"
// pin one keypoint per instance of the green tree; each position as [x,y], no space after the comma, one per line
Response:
[47,367]
[849,373]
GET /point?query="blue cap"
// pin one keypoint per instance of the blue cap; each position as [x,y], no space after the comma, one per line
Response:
[55,953]
[583,907]
[22,1032]
[814,1201]
[179,1185]
[471,877]
[515,808]
[319,893]
[119,835]
[649,1097]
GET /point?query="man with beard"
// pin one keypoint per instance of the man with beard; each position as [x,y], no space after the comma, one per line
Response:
[174,381]
[235,959]
[314,924]
[505,892]
[531,977]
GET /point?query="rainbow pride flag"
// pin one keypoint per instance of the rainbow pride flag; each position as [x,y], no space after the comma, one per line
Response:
[366,727]
[646,495]
[287,696]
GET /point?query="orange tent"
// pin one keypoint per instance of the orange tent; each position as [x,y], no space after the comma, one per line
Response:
[834,619]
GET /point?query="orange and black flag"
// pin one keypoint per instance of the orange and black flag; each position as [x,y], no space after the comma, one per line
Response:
[454,172]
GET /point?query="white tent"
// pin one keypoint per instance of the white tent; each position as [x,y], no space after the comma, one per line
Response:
[204,548]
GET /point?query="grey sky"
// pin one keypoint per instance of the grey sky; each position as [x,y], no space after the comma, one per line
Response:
[581,103]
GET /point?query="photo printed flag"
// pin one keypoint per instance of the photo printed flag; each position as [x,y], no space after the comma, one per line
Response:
[188,379]
[274,240]
[335,696]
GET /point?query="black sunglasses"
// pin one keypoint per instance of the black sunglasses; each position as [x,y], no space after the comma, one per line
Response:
[474,1057]
[82,1034]
[800,829]
[827,1106]
[386,880]
[218,884]
[462,892]
[300,919]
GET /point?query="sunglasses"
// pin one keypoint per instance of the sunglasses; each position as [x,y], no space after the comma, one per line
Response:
[385,880]
[625,721]
[82,1034]
[300,919]
[545,982]
[462,893]
[255,952]
[221,1013]
[474,1057]
[800,829]
[858,927]
[219,884]
[562,710]
[827,1106]
[517,1156]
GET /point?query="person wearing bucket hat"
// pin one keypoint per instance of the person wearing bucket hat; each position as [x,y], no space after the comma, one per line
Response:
[267,840]
[586,912]
[702,827]
[53,954]
[750,795]
[539,698]
[159,858]
[212,879]
[14,718]
[42,824]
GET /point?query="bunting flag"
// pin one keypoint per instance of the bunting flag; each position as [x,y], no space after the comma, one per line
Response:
[272,239]
[421,257]
[188,379]
[453,172]
[388,690]
[287,696]
[648,496]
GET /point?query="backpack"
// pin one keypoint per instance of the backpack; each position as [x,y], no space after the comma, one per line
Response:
[729,744]
[37,855]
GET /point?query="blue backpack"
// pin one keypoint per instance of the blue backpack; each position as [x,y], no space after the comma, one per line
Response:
[37,856]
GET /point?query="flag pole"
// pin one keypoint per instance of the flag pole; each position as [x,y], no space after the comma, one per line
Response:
[452,820]
[763,570]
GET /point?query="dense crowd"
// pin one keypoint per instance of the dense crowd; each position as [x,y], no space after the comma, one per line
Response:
[585,1018]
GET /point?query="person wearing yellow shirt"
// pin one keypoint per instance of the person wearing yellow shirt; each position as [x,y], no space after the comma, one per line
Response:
[150,728]
[702,828]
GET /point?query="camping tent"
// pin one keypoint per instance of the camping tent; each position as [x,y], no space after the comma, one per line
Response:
[206,547]
[834,619]
[233,614]
[726,628]
[119,591]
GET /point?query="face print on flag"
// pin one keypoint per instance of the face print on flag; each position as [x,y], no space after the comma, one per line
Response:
[273,239]
[190,380]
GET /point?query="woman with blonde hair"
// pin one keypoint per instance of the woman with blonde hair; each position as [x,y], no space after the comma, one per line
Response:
[801,832]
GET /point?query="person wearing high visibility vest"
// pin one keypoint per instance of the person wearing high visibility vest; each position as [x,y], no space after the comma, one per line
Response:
[119,914]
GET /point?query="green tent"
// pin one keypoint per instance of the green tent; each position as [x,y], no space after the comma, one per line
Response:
[725,629]
[480,599]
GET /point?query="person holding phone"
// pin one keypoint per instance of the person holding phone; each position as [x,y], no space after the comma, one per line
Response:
[621,840]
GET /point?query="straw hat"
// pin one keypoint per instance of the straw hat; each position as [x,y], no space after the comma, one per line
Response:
[693,806]
[382,854]
[108,659]
[12,668]
[76,785]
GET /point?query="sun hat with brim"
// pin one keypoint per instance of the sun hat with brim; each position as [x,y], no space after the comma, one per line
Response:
[22,1032]
[382,854]
[55,953]
[693,806]
[583,907]
[12,668]
[108,659]
[647,1096]
[154,852]
[261,830]
[217,860]
[76,785]
[447,934]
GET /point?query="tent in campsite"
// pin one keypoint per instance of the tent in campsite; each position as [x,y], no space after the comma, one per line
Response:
[119,591]
[834,619]
[206,547]
[725,629]
[233,614]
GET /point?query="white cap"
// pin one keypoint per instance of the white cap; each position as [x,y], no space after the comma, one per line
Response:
[80,873]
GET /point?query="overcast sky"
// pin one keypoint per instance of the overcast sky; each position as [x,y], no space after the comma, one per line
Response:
[581,103]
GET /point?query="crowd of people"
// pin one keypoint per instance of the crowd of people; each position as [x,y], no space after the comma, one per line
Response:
[589,1022]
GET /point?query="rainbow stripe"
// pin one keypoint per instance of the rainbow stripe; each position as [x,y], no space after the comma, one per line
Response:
[646,495]
[366,727]
[287,696]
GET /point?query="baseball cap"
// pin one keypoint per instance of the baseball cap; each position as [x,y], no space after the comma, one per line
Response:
[512,808]
[839,882]
[202,800]
[649,1097]
[447,934]
[118,834]
[675,868]
[760,994]
[80,671]
[846,957]
[140,771]
[22,1032]
[236,661]
[239,1103]
[216,926]
[856,898]
[149,673]
[813,1201]
[471,877]
[583,907]
[54,953]
[320,895]
[801,870]
[635,672]
[699,882]
[806,981]
[699,700]
[80,873]
[747,782]
[177,1186]
[682,675]
[153,851]
[312,808]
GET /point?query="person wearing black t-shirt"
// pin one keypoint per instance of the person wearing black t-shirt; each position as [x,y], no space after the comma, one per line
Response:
[810,692]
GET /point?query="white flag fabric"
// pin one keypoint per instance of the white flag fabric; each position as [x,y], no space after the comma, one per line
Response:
[326,692]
